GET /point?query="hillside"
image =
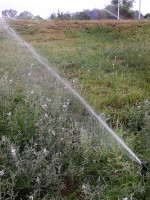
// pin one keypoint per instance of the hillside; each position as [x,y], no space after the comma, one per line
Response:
[55,147]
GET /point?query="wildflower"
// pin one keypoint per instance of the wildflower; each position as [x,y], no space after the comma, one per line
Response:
[74,81]
[45,151]
[36,124]
[37,180]
[46,115]
[126,198]
[13,152]
[4,139]
[48,99]
[64,106]
[53,132]
[10,80]
[83,187]
[31,197]
[62,139]
[2,173]
[68,102]
[32,92]
[35,144]
[9,114]
[29,74]
[44,106]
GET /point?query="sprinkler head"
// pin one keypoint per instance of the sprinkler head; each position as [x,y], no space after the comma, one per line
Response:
[144,170]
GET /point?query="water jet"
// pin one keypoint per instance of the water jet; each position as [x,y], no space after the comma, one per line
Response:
[46,65]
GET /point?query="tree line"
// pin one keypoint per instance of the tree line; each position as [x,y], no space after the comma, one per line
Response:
[109,12]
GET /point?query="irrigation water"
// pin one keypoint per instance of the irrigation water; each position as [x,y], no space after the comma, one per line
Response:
[64,83]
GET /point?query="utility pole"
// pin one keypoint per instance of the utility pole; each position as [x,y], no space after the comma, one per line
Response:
[139,9]
[118,9]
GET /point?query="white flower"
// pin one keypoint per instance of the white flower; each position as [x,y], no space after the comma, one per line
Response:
[9,114]
[37,180]
[74,81]
[62,139]
[83,187]
[4,139]
[68,102]
[35,144]
[2,173]
[13,152]
[44,106]
[10,80]
[45,151]
[36,124]
[53,132]
[46,115]
[29,74]
[32,92]
[48,99]
[64,106]
[31,197]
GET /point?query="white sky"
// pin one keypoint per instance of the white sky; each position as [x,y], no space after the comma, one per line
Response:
[45,7]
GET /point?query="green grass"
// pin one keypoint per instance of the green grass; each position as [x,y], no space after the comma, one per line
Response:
[110,63]
[55,139]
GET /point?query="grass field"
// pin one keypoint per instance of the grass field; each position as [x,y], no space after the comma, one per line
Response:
[108,62]
[109,59]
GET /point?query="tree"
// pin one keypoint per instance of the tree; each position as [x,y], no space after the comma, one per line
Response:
[147,16]
[37,17]
[82,16]
[63,16]
[52,16]
[25,16]
[9,14]
[60,16]
[125,8]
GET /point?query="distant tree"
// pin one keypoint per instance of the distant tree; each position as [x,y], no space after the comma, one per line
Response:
[9,14]
[25,16]
[63,16]
[127,4]
[136,14]
[82,16]
[94,14]
[52,16]
[147,16]
[60,16]
[37,17]
[125,8]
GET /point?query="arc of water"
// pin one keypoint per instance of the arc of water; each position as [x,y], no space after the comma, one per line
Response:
[111,13]
[73,91]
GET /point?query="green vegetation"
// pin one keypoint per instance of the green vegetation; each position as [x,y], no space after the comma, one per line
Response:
[51,148]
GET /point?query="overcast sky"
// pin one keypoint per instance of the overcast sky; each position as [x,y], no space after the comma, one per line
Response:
[45,7]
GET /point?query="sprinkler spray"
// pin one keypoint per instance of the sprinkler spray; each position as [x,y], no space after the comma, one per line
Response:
[144,170]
